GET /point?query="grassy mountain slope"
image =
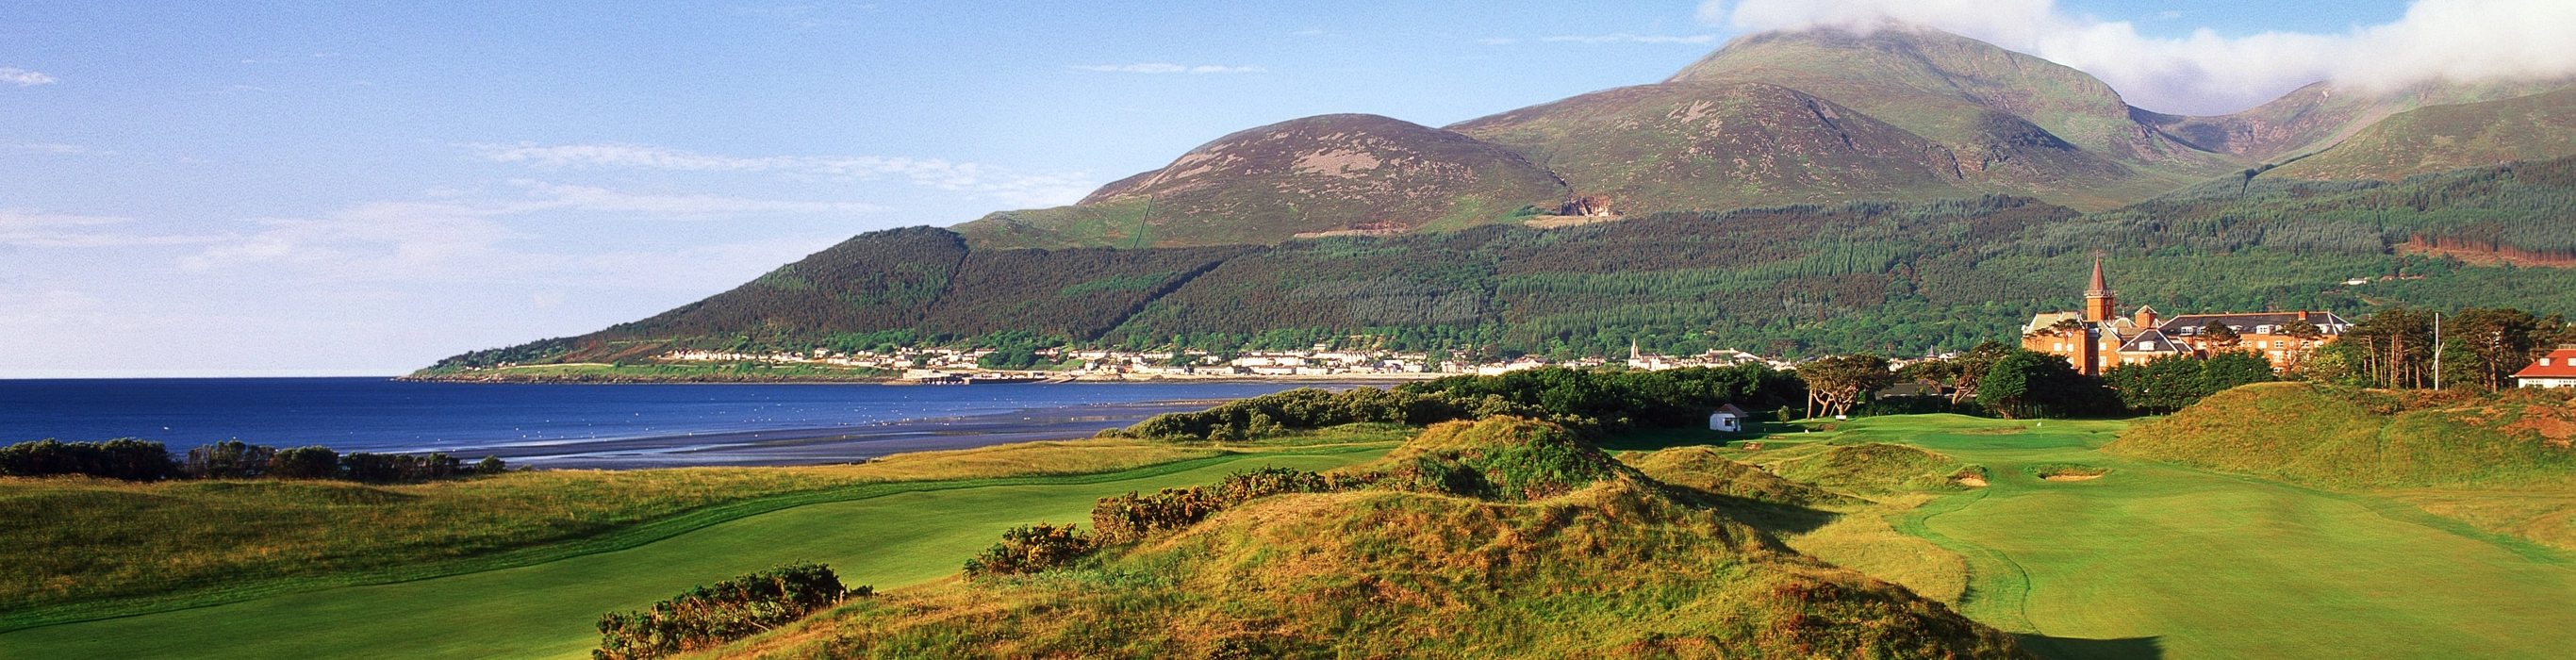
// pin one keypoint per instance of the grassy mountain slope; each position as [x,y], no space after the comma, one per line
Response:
[2318,116]
[1940,85]
[2449,137]
[2335,438]
[1614,568]
[1666,147]
[1360,173]
[1784,280]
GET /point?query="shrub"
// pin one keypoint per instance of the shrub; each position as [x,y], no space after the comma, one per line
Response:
[1303,408]
[123,458]
[1262,482]
[384,468]
[490,465]
[1030,549]
[305,463]
[1503,458]
[1131,516]
[2053,470]
[230,459]
[714,614]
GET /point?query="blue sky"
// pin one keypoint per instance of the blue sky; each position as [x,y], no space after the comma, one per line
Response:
[212,188]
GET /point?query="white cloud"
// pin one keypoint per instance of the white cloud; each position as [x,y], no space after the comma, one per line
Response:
[2205,73]
[1624,38]
[999,183]
[36,229]
[24,78]
[1165,67]
[452,240]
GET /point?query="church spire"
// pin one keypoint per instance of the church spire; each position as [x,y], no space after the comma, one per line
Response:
[2099,303]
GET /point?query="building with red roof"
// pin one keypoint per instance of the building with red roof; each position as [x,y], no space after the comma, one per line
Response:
[2557,369]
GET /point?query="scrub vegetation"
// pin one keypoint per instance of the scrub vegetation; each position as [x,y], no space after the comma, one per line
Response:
[1504,537]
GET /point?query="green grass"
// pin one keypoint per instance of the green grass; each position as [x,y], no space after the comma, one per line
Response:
[546,609]
[86,548]
[2160,561]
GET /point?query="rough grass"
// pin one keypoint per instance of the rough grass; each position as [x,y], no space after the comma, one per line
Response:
[2327,438]
[1867,469]
[1616,568]
[1862,539]
[1711,472]
[81,548]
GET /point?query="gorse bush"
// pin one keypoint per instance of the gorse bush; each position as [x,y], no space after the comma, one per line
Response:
[127,459]
[1030,549]
[709,615]
[1503,458]
[1131,516]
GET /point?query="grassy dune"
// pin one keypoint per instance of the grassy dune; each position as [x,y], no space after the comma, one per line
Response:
[1619,566]
[2350,439]
[2502,463]
[90,548]
[545,610]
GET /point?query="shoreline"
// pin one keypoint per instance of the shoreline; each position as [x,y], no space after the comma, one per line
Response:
[727,379]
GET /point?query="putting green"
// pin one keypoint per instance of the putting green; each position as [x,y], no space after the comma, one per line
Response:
[546,610]
[2152,561]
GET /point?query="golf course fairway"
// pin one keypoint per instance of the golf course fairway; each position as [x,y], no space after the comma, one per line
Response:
[2153,561]
[547,610]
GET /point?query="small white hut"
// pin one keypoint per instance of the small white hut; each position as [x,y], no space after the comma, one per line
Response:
[1728,418]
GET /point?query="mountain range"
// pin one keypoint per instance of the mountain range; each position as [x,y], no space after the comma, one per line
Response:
[1776,192]
[1816,116]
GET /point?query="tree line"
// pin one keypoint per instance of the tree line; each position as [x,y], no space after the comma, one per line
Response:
[138,460]
[1591,402]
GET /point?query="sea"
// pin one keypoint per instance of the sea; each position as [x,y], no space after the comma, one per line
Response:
[592,426]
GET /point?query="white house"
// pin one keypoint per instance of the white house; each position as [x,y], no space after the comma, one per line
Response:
[1728,418]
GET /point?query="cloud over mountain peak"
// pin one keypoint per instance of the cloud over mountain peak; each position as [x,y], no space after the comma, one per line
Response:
[2206,73]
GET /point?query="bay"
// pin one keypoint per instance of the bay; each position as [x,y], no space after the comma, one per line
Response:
[591,426]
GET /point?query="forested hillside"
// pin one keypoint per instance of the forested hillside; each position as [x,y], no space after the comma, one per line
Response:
[1789,281]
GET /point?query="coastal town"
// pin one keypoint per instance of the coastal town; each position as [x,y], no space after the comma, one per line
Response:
[1322,361]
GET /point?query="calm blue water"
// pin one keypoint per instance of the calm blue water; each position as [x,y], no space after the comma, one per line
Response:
[586,425]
